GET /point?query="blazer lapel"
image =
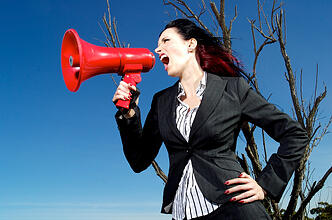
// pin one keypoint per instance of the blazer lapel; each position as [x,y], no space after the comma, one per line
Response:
[171,112]
[213,93]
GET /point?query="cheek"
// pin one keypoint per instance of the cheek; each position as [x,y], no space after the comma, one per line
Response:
[179,56]
[177,50]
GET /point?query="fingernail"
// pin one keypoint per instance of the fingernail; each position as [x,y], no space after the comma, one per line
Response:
[227,191]
[241,175]
[232,199]
[241,201]
[226,183]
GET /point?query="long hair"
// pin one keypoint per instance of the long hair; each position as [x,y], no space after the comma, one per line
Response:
[210,53]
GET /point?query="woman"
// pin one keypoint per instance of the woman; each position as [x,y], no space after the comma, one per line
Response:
[198,119]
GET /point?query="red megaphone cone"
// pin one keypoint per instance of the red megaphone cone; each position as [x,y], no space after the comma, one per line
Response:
[81,60]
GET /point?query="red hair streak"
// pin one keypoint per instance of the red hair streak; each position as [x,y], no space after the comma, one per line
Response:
[216,60]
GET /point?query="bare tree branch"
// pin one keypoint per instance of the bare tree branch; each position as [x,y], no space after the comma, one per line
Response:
[159,171]
[109,24]
[244,163]
[220,16]
[190,13]
[251,149]
[233,19]
[264,145]
[314,189]
[116,32]
[109,29]
[317,140]
[302,99]
[291,78]
[108,43]
[313,111]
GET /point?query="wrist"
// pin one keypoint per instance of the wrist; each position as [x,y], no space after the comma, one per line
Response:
[264,192]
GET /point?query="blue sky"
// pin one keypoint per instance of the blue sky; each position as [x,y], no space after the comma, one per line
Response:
[60,152]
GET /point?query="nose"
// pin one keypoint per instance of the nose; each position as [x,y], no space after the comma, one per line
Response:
[157,50]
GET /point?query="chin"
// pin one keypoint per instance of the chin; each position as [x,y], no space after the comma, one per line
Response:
[172,74]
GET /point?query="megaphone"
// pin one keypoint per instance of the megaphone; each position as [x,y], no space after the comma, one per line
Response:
[81,60]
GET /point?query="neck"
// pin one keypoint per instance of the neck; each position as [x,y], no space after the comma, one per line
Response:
[190,78]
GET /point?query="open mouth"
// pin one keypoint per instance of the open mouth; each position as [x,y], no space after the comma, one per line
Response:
[165,59]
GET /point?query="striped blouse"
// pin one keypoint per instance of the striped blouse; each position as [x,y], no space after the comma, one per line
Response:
[189,201]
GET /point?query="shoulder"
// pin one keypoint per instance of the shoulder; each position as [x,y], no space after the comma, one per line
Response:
[232,83]
[235,80]
[234,86]
[227,79]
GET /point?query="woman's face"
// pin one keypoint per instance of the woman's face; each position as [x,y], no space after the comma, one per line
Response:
[173,51]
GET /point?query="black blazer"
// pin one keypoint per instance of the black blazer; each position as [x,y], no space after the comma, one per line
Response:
[226,103]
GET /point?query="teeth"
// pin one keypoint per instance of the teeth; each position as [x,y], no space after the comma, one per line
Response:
[163,56]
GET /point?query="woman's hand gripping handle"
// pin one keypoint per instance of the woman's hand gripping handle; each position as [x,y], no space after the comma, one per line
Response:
[126,93]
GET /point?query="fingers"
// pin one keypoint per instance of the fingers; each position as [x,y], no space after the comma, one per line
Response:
[237,181]
[243,178]
[250,189]
[250,199]
[247,195]
[123,92]
[242,187]
[131,87]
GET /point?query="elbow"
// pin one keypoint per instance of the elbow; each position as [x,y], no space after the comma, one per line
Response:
[136,167]
[135,164]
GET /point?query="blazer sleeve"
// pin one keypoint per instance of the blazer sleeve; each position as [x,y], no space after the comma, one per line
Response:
[140,145]
[291,136]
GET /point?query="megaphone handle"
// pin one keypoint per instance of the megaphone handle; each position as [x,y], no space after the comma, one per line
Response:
[133,79]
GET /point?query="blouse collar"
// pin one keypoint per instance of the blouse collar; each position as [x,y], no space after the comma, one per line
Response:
[199,90]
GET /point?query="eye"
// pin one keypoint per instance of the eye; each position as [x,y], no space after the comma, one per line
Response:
[165,40]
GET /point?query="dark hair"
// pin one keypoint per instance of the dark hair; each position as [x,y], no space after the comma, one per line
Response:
[210,54]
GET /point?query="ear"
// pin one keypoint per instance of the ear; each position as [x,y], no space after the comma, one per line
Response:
[192,44]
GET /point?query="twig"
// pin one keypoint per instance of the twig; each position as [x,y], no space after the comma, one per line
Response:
[190,11]
[264,145]
[116,32]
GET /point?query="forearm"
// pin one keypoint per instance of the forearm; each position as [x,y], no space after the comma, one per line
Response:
[281,165]
[140,145]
